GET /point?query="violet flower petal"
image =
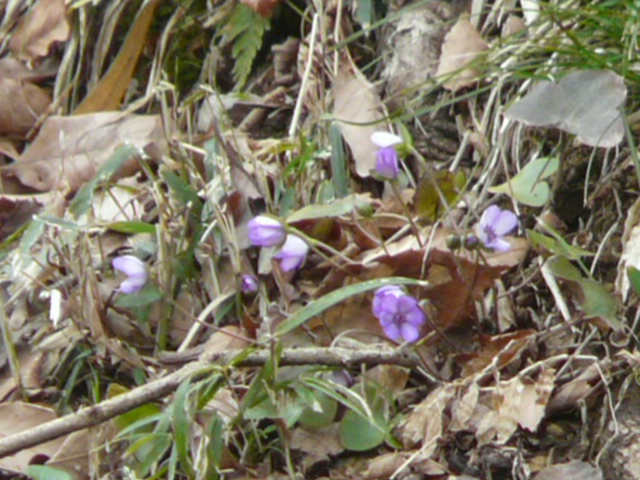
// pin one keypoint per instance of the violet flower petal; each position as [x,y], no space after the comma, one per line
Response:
[494,225]
[249,284]
[399,314]
[392,331]
[293,253]
[266,231]
[135,270]
[387,163]
[381,303]
[505,223]
[409,332]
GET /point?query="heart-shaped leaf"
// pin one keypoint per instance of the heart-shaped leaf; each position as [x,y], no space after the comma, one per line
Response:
[528,186]
[585,103]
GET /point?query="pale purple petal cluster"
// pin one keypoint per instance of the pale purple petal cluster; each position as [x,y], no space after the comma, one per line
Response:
[266,231]
[387,161]
[400,314]
[494,225]
[293,253]
[135,270]
[249,284]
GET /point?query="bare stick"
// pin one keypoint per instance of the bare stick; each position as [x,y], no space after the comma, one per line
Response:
[104,411]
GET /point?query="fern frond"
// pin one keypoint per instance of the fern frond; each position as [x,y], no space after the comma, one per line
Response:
[245,30]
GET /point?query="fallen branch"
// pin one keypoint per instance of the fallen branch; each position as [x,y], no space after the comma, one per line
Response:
[104,411]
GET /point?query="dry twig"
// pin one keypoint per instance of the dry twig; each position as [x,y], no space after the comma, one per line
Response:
[97,414]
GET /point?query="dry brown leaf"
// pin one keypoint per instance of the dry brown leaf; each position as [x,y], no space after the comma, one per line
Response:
[579,388]
[630,250]
[111,88]
[45,23]
[385,465]
[357,107]
[462,45]
[227,338]
[318,445]
[17,70]
[517,403]
[425,423]
[73,455]
[391,377]
[17,210]
[502,349]
[31,364]
[68,150]
[9,149]
[21,104]
[576,470]
[462,408]
[16,417]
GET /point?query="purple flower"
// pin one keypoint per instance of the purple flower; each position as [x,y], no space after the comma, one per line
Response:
[387,163]
[400,314]
[293,253]
[249,284]
[135,270]
[494,225]
[266,231]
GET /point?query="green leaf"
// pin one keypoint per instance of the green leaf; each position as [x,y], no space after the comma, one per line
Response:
[558,246]
[84,198]
[151,448]
[335,209]
[634,278]
[321,413]
[133,226]
[31,235]
[144,297]
[319,305]
[44,472]
[528,186]
[245,29]
[360,433]
[339,168]
[183,191]
[596,300]
[181,426]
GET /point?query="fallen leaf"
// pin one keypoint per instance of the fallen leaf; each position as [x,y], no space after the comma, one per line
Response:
[17,210]
[16,417]
[357,107]
[68,150]
[577,389]
[111,88]
[461,47]
[73,454]
[575,470]
[317,446]
[424,424]
[585,103]
[505,348]
[45,23]
[517,402]
[384,466]
[630,257]
[21,104]
[462,408]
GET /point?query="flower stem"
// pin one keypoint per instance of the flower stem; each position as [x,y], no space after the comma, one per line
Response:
[414,227]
